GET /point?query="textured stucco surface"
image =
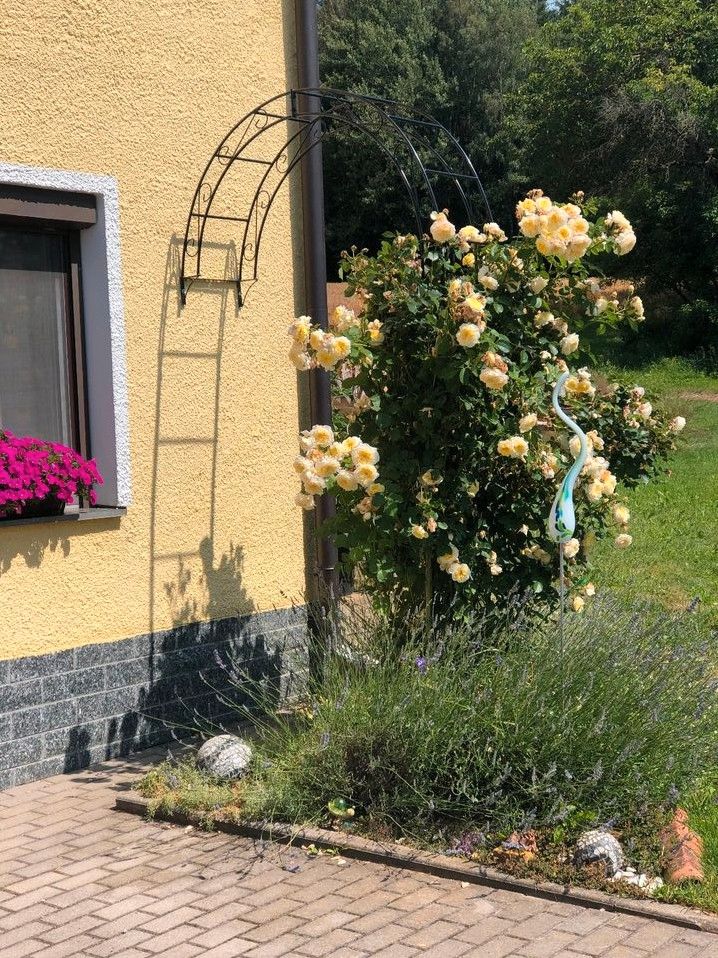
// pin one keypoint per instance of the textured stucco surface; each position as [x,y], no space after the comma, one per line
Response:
[143,93]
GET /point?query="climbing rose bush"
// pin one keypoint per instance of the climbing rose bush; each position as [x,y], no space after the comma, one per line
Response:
[443,381]
[33,469]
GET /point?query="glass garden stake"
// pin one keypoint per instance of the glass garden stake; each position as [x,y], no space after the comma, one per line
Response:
[562,520]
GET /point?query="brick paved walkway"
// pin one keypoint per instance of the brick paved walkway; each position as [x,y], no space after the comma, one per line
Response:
[78,879]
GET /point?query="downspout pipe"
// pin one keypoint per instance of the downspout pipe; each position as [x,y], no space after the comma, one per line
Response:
[315,269]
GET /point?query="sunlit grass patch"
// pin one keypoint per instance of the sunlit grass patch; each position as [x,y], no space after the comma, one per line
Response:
[674,556]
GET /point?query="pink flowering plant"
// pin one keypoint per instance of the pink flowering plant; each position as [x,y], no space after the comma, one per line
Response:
[33,469]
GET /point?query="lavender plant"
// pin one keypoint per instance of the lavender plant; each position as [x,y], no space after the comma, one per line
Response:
[477,729]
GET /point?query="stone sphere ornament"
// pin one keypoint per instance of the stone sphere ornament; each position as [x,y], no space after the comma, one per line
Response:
[598,846]
[225,756]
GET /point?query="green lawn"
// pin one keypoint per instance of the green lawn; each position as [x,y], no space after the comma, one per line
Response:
[674,556]
[674,521]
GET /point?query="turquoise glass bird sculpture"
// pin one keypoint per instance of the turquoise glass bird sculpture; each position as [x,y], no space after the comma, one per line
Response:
[562,520]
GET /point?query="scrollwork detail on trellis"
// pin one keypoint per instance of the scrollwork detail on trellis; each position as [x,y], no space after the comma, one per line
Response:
[306,116]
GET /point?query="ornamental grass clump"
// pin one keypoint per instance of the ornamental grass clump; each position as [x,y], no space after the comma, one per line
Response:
[493,728]
[444,453]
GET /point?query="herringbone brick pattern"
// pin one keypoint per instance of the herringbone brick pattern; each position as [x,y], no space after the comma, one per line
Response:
[79,879]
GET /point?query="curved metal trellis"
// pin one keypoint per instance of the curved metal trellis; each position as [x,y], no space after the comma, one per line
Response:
[274,138]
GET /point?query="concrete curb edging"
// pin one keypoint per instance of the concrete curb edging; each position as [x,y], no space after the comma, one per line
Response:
[441,866]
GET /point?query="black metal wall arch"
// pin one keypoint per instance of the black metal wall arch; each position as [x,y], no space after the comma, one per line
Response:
[426,156]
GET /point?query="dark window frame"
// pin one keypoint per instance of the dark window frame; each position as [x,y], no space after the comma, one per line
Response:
[34,210]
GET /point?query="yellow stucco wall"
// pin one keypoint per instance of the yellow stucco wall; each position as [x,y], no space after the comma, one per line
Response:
[143,92]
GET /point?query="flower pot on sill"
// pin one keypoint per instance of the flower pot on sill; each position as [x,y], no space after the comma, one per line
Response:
[37,508]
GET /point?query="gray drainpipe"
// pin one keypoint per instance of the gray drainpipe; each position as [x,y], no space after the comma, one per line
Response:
[315,270]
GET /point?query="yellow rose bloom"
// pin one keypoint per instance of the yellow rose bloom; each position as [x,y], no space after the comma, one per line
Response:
[538,284]
[300,329]
[299,359]
[516,447]
[460,572]
[301,464]
[364,453]
[578,603]
[570,548]
[429,479]
[527,422]
[351,442]
[366,474]
[595,440]
[341,347]
[594,491]
[569,344]
[327,358]
[375,333]
[441,229]
[544,204]
[304,500]
[469,260]
[419,532]
[327,466]
[525,206]
[636,304]
[625,242]
[316,338]
[544,318]
[577,247]
[608,482]
[375,489]
[449,559]
[493,378]
[519,447]
[469,234]
[530,226]
[557,218]
[322,435]
[623,540]
[621,514]
[337,450]
[617,219]
[468,335]
[475,304]
[454,289]
[343,318]
[580,387]
[313,484]
[504,447]
[347,480]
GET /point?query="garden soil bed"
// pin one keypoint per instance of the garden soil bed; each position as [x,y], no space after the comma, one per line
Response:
[442,866]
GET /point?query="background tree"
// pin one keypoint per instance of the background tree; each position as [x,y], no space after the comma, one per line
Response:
[456,59]
[621,100]
[384,49]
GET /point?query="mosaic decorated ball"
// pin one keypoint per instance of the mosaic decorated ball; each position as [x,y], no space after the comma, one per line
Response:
[599,846]
[225,756]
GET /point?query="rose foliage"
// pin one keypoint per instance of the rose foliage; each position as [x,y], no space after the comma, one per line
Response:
[445,453]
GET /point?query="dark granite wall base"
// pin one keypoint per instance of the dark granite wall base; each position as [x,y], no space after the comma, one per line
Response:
[66,710]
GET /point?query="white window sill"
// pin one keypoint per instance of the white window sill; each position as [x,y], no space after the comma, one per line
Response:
[71,514]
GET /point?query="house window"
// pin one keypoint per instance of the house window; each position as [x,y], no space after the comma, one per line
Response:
[63,360]
[39,336]
[42,366]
